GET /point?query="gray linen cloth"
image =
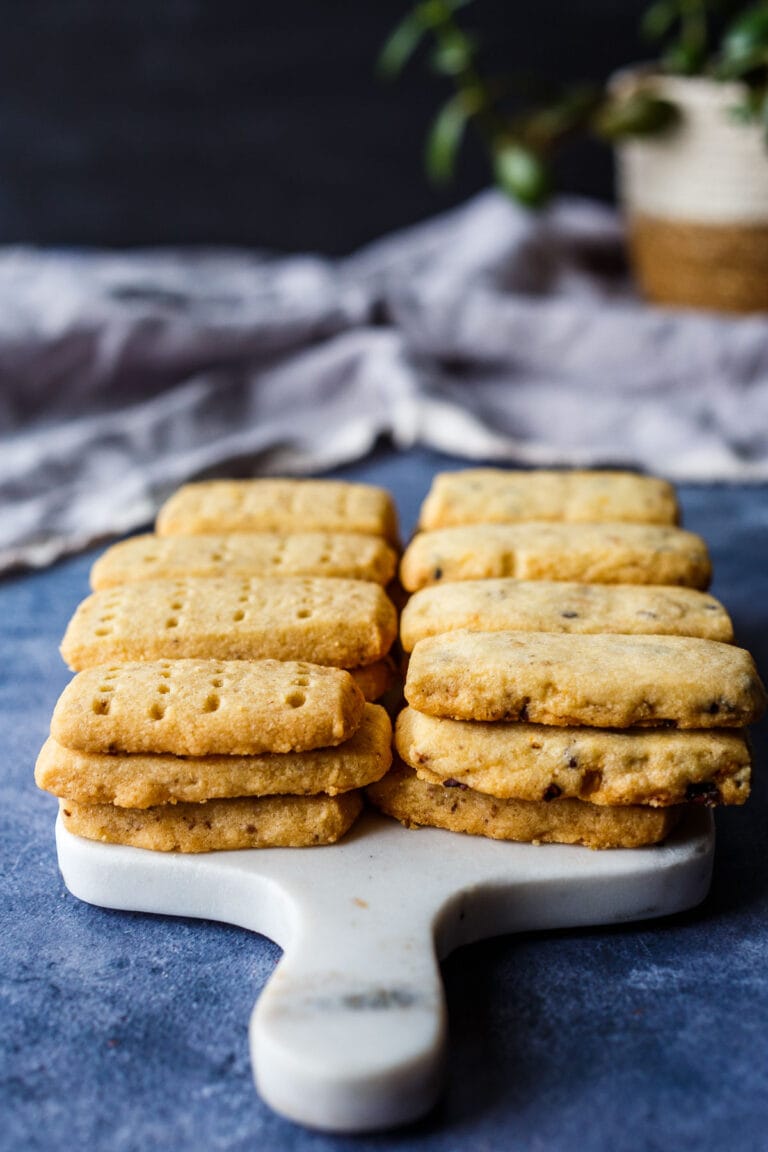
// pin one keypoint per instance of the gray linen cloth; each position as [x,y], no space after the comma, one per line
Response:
[487,332]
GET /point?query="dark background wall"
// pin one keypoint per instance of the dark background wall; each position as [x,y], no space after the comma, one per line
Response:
[252,121]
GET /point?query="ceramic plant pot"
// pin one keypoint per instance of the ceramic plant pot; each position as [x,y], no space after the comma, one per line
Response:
[696,200]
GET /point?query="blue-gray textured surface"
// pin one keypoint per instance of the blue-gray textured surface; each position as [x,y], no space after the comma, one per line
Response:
[126,1032]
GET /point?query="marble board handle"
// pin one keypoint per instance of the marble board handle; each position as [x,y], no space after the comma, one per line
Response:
[350,1033]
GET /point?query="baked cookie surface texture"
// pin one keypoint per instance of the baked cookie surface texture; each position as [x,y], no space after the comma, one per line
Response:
[415,803]
[202,708]
[587,553]
[550,606]
[279,505]
[602,765]
[605,681]
[344,623]
[493,495]
[339,555]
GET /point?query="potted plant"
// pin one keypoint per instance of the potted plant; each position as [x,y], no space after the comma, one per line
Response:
[690,132]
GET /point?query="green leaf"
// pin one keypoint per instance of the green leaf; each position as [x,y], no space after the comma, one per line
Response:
[521,174]
[639,114]
[408,34]
[401,44]
[435,12]
[739,67]
[445,136]
[454,55]
[746,39]
[658,19]
[684,59]
[757,109]
[753,108]
[544,126]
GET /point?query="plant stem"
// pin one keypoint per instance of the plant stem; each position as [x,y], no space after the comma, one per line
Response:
[472,88]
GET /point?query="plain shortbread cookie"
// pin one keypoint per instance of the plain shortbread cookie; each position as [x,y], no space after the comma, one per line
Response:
[219,825]
[279,505]
[134,780]
[375,680]
[203,708]
[344,623]
[339,555]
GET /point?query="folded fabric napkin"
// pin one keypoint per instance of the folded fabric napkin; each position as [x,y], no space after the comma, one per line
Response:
[488,332]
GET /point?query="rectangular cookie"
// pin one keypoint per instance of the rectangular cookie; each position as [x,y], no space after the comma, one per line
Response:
[415,803]
[549,606]
[375,680]
[588,553]
[279,505]
[205,708]
[136,780]
[219,825]
[345,623]
[497,496]
[341,555]
[599,681]
[602,766]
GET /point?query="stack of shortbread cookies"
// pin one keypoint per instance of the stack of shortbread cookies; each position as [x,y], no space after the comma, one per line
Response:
[565,685]
[257,603]
[295,571]
[190,755]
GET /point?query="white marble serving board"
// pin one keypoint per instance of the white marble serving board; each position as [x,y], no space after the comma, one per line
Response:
[350,1033]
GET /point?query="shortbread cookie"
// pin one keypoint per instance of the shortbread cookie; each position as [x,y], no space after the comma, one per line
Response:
[603,766]
[206,708]
[279,506]
[547,606]
[602,681]
[260,822]
[340,555]
[414,803]
[345,623]
[144,780]
[375,680]
[494,496]
[591,553]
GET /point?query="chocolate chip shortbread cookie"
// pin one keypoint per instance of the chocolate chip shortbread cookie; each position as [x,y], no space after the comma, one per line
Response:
[495,496]
[601,765]
[549,606]
[589,553]
[414,803]
[601,681]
